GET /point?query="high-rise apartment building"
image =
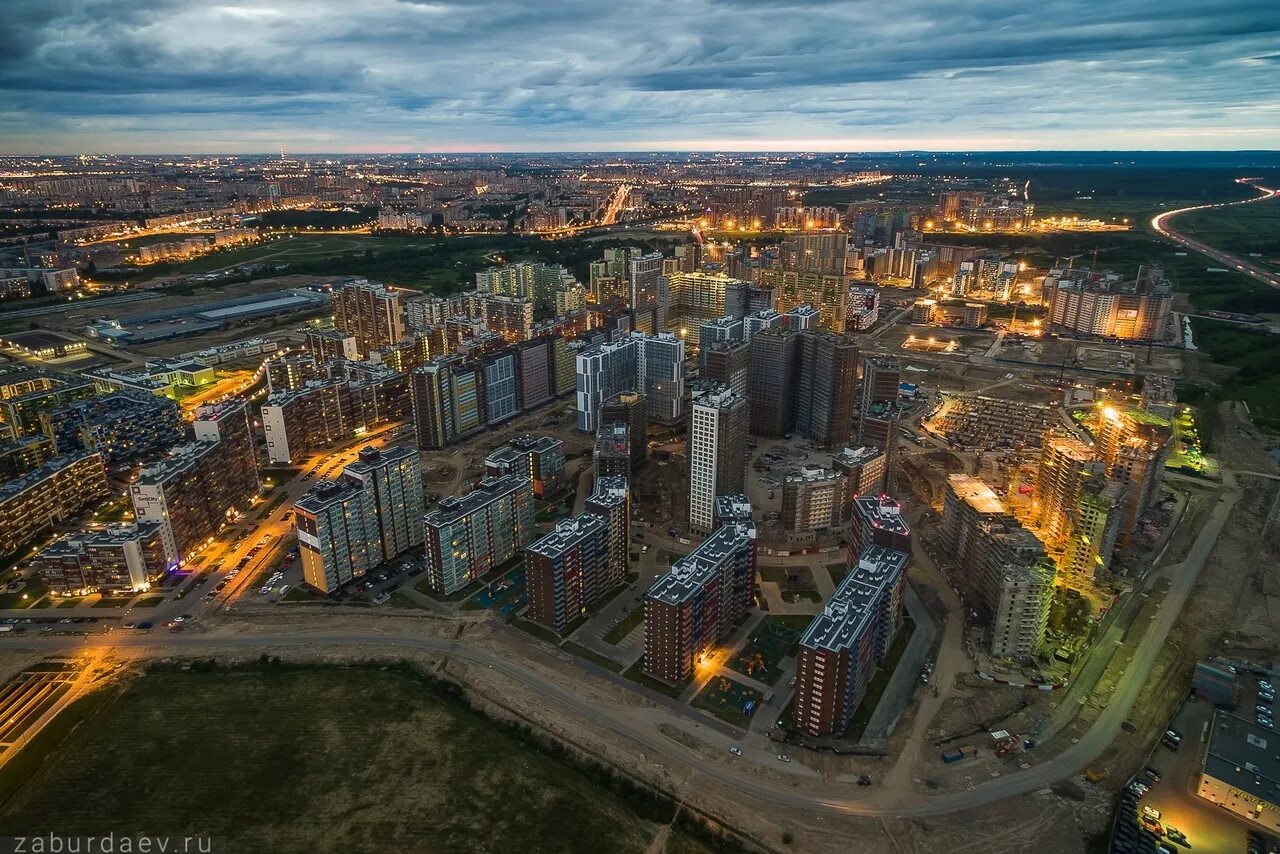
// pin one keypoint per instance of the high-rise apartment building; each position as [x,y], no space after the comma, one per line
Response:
[1106,305]
[1066,464]
[827,292]
[1020,610]
[847,641]
[727,328]
[371,514]
[687,299]
[697,603]
[540,459]
[53,492]
[122,427]
[717,451]
[821,252]
[582,559]
[447,396]
[826,390]
[369,312]
[775,354]
[878,521]
[662,367]
[287,373]
[197,490]
[1099,512]
[878,410]
[864,470]
[604,371]
[612,454]
[337,527]
[631,409]
[470,535]
[1134,453]
[324,412]
[115,559]
[813,499]
[653,364]
[394,477]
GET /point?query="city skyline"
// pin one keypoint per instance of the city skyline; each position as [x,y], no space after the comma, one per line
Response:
[89,76]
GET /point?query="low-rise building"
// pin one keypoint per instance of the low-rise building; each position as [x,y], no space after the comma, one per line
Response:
[1240,771]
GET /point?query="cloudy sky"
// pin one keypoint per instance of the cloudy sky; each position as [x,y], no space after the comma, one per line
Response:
[467,75]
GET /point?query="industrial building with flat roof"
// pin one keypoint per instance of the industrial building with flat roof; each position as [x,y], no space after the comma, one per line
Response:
[1241,770]
[197,319]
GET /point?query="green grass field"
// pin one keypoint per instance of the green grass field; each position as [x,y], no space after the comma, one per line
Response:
[311,760]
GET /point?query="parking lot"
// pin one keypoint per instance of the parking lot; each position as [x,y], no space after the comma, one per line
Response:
[1171,802]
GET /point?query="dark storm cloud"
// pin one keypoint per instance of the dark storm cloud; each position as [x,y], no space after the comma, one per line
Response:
[416,74]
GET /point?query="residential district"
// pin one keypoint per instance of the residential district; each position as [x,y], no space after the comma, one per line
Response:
[874,515]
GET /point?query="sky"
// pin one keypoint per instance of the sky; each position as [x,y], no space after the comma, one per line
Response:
[203,76]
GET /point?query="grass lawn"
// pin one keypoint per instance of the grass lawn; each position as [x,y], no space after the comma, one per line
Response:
[636,674]
[797,622]
[837,571]
[399,600]
[148,602]
[871,699]
[628,623]
[724,698]
[592,656]
[113,601]
[537,630]
[26,597]
[388,760]
[73,602]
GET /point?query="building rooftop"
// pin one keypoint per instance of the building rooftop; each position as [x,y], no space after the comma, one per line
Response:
[973,491]
[1244,755]
[882,512]
[180,459]
[811,474]
[566,534]
[854,603]
[48,469]
[326,493]
[610,491]
[452,509]
[694,571]
[857,456]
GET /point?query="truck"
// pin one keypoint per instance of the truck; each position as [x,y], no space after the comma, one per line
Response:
[958,753]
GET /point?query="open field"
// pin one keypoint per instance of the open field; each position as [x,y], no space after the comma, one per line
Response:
[341,759]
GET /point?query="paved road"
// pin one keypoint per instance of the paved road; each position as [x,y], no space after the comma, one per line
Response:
[894,801]
[1161,224]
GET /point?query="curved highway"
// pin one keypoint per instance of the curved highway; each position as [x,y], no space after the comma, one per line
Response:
[1160,222]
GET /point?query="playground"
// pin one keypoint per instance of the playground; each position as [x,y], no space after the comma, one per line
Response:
[727,700]
[761,655]
[507,595]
